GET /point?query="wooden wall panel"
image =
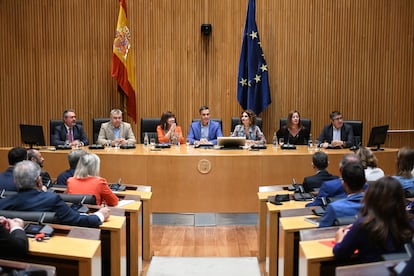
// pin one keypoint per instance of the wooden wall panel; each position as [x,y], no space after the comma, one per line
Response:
[323,55]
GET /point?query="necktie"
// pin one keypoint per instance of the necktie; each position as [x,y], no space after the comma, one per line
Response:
[70,136]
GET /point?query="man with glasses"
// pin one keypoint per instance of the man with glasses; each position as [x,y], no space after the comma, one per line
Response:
[204,131]
[337,134]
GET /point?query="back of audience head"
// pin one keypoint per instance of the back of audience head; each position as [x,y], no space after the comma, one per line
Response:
[27,175]
[320,160]
[405,162]
[349,158]
[16,155]
[353,174]
[88,165]
[74,156]
[367,157]
[384,211]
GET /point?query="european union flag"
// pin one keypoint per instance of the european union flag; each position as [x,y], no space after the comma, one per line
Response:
[253,84]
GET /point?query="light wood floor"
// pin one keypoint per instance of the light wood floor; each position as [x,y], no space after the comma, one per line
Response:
[218,241]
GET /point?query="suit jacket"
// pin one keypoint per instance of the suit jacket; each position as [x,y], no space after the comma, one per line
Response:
[331,188]
[107,133]
[63,177]
[347,135]
[214,131]
[14,243]
[315,181]
[60,135]
[7,180]
[346,207]
[35,200]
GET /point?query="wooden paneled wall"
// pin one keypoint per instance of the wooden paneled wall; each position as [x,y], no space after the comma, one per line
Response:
[323,55]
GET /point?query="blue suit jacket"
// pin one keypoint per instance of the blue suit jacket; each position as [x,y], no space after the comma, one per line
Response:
[331,188]
[347,135]
[63,177]
[14,243]
[35,200]
[346,207]
[60,135]
[214,131]
[7,180]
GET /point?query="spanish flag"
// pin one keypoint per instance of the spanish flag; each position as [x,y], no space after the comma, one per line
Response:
[123,61]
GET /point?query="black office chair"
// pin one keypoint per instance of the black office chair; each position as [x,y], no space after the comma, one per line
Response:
[305,122]
[54,123]
[78,198]
[357,127]
[35,216]
[149,125]
[218,120]
[96,126]
[236,121]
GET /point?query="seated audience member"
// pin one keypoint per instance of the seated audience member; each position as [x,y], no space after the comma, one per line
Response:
[205,131]
[334,188]
[405,163]
[35,156]
[13,239]
[30,197]
[69,132]
[73,158]
[383,225]
[337,134]
[168,131]
[294,132]
[319,164]
[353,180]
[116,131]
[86,180]
[14,156]
[249,129]
[369,162]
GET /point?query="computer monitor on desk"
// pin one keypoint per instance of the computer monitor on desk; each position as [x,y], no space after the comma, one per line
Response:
[377,137]
[231,142]
[32,135]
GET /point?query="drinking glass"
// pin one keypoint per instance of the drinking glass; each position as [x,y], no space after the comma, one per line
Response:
[310,145]
[116,145]
[187,142]
[152,142]
[316,145]
[281,141]
[108,143]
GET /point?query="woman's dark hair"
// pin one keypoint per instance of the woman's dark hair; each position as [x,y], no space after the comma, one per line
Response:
[405,162]
[384,213]
[164,118]
[289,119]
[251,115]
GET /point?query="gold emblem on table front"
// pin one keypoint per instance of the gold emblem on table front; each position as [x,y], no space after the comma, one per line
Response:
[204,166]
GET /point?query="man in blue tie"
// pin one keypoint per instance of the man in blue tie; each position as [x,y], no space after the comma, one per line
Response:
[204,131]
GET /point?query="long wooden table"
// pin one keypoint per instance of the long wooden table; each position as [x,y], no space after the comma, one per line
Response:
[204,180]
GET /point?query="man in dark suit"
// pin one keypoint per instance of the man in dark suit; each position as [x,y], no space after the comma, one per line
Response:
[73,158]
[30,197]
[319,163]
[333,188]
[353,176]
[13,239]
[14,156]
[205,131]
[69,132]
[337,134]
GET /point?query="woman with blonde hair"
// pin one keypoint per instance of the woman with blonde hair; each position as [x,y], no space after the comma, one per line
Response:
[86,180]
[370,164]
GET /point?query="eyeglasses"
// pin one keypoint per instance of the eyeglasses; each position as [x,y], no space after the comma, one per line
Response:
[337,118]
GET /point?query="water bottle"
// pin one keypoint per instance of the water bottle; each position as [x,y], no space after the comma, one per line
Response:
[274,141]
[67,140]
[146,139]
[310,142]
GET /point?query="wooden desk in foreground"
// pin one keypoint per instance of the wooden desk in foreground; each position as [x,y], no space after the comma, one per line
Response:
[70,256]
[273,233]
[312,254]
[204,180]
